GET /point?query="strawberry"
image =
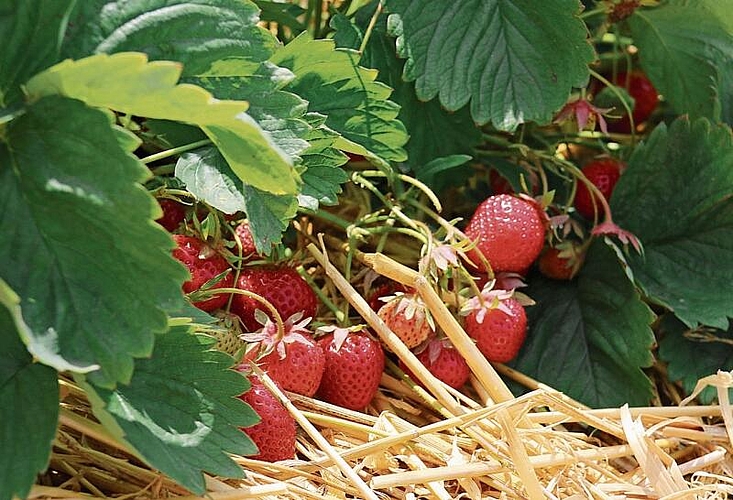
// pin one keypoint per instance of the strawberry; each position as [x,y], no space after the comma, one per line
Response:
[603,173]
[500,331]
[499,184]
[553,266]
[173,214]
[281,286]
[407,316]
[204,264]
[244,234]
[354,366]
[275,433]
[444,362]
[509,231]
[295,361]
[645,97]
[383,291]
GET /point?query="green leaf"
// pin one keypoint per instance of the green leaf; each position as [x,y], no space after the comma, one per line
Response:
[441,166]
[193,32]
[434,132]
[282,13]
[29,405]
[92,270]
[675,196]
[692,355]
[590,337]
[208,177]
[323,177]
[128,83]
[354,103]
[31,32]
[180,411]
[686,50]
[514,60]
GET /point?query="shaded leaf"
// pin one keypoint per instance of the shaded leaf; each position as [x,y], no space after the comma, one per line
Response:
[193,32]
[130,84]
[686,50]
[282,13]
[93,285]
[31,34]
[514,60]
[589,338]
[180,411]
[675,196]
[29,400]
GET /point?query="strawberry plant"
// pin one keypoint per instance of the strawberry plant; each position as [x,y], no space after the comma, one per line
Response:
[450,136]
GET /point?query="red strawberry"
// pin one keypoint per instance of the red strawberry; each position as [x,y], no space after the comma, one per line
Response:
[295,361]
[275,434]
[407,316]
[244,234]
[203,263]
[604,174]
[444,362]
[645,97]
[499,332]
[509,231]
[281,286]
[354,366]
[499,184]
[555,267]
[173,214]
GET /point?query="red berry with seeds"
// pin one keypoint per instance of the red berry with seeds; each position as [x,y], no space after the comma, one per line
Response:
[604,174]
[500,332]
[407,316]
[354,366]
[203,264]
[509,231]
[281,286]
[244,234]
[275,434]
[444,362]
[174,214]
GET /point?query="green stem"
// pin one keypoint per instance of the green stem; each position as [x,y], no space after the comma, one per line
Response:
[370,28]
[327,216]
[620,97]
[174,151]
[593,12]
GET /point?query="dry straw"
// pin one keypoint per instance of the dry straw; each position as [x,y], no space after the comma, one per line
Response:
[481,443]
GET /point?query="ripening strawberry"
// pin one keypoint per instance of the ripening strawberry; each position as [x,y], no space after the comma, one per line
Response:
[244,234]
[509,231]
[407,316]
[173,214]
[384,291]
[354,366]
[204,264]
[276,431]
[444,362]
[281,286]
[645,97]
[499,332]
[604,174]
[295,361]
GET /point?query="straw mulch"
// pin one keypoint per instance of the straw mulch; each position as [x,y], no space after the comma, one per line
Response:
[436,442]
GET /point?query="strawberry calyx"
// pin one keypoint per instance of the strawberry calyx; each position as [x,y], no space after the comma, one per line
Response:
[272,337]
[584,114]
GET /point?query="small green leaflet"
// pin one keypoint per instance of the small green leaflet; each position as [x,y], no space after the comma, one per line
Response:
[686,50]
[589,338]
[675,196]
[691,355]
[354,103]
[29,405]
[208,177]
[193,32]
[128,83]
[180,411]
[282,13]
[93,284]
[514,60]
[31,34]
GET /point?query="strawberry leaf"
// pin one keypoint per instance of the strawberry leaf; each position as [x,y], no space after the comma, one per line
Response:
[128,83]
[29,400]
[688,243]
[30,31]
[686,52]
[93,284]
[180,411]
[354,103]
[514,60]
[691,355]
[590,337]
[193,32]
